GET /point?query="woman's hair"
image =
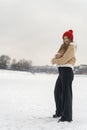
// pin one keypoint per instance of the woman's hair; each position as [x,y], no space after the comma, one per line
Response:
[63,48]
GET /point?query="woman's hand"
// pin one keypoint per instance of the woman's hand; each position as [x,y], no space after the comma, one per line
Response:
[58,55]
[53,61]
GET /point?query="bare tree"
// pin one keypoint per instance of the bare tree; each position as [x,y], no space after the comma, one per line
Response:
[4,61]
[13,64]
[21,64]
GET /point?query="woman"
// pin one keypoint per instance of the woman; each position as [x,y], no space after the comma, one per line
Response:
[65,60]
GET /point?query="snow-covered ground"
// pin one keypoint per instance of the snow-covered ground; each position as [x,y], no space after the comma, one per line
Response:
[27,102]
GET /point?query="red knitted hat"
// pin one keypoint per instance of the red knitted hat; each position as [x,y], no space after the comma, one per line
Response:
[68,34]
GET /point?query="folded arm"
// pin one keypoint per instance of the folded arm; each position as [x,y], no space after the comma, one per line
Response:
[66,57]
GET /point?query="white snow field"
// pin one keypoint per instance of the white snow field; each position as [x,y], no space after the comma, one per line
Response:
[27,102]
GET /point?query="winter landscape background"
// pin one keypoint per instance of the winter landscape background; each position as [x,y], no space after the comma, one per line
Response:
[30,35]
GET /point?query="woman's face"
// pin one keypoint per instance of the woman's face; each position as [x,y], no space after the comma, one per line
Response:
[66,40]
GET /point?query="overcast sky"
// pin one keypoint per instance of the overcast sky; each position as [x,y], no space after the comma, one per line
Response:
[32,29]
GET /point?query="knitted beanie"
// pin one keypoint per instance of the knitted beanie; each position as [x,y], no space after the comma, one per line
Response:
[69,34]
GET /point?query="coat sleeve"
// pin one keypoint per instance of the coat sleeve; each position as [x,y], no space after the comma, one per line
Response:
[66,57]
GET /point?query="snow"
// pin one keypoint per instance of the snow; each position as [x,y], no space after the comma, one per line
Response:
[27,102]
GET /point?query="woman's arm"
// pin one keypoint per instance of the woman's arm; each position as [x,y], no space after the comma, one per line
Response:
[60,52]
[66,57]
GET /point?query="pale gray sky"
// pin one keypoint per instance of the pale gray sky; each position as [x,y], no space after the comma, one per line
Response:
[32,29]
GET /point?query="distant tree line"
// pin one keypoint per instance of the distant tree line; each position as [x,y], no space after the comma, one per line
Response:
[26,65]
[7,63]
